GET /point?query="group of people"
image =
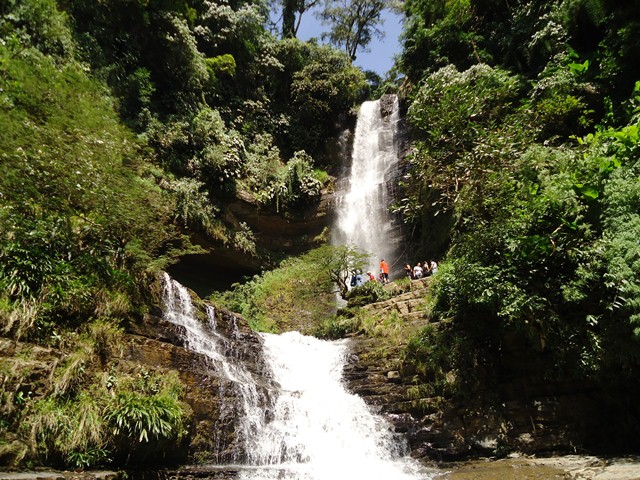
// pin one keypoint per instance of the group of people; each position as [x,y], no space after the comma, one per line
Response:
[358,279]
[421,270]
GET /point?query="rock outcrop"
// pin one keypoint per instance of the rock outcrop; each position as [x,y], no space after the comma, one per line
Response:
[274,234]
[522,412]
[216,400]
[151,344]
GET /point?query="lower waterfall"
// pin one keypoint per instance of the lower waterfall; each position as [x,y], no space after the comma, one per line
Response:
[310,427]
[318,430]
[203,338]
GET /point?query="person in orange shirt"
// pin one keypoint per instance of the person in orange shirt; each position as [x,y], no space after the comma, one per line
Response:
[384,271]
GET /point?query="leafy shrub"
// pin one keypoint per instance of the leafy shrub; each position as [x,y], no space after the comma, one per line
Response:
[262,166]
[194,209]
[298,295]
[142,417]
[326,87]
[295,185]
[70,432]
[68,233]
[561,102]
[125,418]
[369,292]
[221,65]
[40,24]
[442,361]
[453,114]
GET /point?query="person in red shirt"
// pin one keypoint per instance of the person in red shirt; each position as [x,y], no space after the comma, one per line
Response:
[384,271]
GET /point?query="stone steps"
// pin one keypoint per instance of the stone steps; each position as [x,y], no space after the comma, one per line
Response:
[409,305]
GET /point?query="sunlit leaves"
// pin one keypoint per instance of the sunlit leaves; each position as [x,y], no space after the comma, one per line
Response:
[300,293]
[452,114]
[71,200]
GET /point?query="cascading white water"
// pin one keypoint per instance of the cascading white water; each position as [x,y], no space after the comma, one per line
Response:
[362,218]
[313,429]
[203,338]
[318,430]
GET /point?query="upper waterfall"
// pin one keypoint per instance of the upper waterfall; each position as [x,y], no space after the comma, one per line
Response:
[362,217]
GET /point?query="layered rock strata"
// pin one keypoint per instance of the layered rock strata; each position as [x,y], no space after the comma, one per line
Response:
[522,411]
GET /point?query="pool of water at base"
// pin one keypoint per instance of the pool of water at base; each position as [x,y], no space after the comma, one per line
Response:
[570,467]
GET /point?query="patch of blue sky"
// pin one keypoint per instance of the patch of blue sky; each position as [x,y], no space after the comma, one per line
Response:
[380,55]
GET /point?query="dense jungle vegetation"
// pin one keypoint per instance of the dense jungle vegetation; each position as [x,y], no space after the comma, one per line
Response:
[126,128]
[128,125]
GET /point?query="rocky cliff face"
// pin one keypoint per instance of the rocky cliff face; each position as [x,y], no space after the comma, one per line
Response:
[521,412]
[275,236]
[216,400]
[152,346]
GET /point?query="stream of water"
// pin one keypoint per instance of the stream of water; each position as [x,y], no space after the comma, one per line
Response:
[311,428]
[204,338]
[363,199]
[319,430]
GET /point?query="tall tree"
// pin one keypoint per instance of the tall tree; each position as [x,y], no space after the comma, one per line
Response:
[354,23]
[291,8]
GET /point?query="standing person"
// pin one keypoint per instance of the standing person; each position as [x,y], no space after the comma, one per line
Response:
[408,271]
[417,271]
[426,270]
[434,267]
[384,271]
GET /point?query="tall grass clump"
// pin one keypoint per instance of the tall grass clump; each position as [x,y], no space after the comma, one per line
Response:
[125,418]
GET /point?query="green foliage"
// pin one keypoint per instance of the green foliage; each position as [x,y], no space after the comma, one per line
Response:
[454,114]
[439,34]
[370,292]
[441,360]
[353,24]
[141,416]
[37,23]
[106,420]
[549,263]
[295,185]
[298,295]
[74,209]
[561,102]
[221,65]
[286,187]
[72,432]
[523,36]
[194,209]
[538,198]
[323,90]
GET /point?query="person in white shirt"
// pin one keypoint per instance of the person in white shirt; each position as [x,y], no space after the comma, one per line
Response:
[417,271]
[434,267]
